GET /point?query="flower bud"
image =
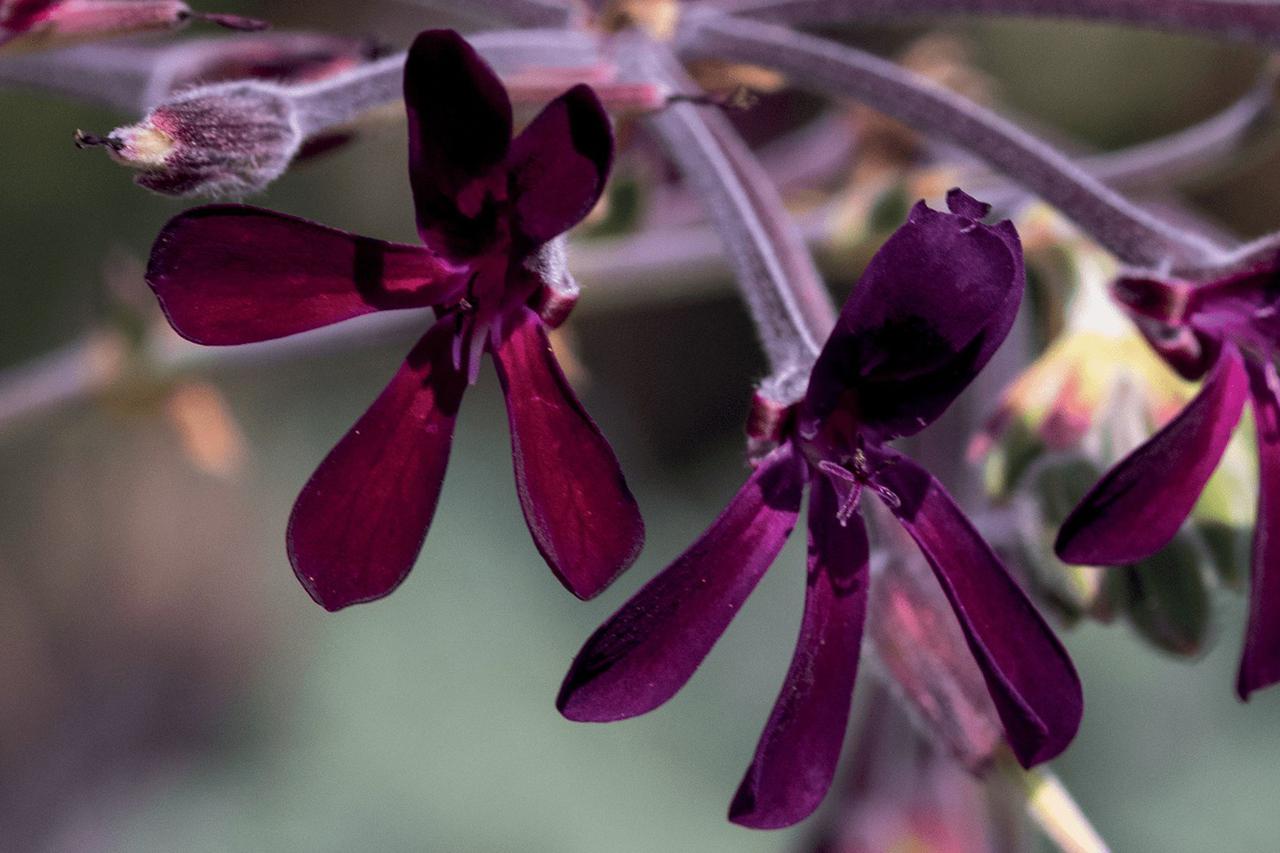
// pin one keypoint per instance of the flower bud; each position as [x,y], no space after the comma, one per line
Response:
[1166,597]
[225,140]
[31,26]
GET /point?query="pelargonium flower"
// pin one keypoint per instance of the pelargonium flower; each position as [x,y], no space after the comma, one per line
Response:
[489,209]
[931,309]
[1226,332]
[27,24]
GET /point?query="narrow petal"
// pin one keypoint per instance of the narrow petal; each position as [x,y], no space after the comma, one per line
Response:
[1031,680]
[1137,507]
[931,309]
[459,133]
[230,274]
[560,163]
[359,523]
[647,650]
[582,516]
[1260,664]
[796,758]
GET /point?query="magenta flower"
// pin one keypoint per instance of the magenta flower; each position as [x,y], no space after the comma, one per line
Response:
[932,307]
[487,207]
[1227,332]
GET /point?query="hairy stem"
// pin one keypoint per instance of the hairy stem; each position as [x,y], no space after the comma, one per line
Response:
[341,99]
[525,13]
[114,75]
[783,291]
[1257,22]
[1248,121]
[1131,233]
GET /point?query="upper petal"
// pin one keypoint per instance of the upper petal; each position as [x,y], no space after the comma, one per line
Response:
[928,313]
[575,500]
[231,274]
[796,758]
[647,650]
[1032,681]
[459,133]
[1260,663]
[359,523]
[560,163]
[1137,507]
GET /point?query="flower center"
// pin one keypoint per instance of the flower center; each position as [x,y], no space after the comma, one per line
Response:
[848,476]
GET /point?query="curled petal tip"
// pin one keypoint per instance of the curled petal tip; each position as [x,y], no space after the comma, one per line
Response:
[962,204]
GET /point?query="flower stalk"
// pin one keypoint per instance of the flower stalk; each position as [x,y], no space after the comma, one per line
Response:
[778,280]
[1135,236]
[1255,22]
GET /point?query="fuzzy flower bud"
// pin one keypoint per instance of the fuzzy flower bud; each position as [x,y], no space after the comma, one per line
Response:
[225,140]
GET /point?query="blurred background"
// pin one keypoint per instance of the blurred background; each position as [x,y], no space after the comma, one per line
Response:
[168,685]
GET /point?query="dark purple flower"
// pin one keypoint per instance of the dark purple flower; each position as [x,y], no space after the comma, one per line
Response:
[933,306]
[1226,332]
[487,206]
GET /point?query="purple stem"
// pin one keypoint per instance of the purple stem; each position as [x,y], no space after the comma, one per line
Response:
[1249,120]
[524,13]
[782,289]
[1250,22]
[134,77]
[1131,233]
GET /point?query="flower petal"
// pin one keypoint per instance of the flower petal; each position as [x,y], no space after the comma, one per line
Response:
[647,650]
[796,758]
[1260,663]
[459,133]
[1241,307]
[582,516]
[1028,673]
[931,309]
[1137,507]
[231,274]
[360,521]
[560,163]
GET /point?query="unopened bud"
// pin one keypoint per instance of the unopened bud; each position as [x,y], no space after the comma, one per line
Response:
[922,652]
[1166,597]
[226,140]
[30,26]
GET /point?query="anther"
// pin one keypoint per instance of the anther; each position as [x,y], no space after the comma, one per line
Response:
[89,140]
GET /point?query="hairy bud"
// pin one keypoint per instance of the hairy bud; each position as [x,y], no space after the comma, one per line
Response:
[230,139]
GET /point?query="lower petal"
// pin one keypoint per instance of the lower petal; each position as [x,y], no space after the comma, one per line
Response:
[576,502]
[1260,664]
[1139,505]
[647,650]
[1028,673]
[359,523]
[796,758]
[231,274]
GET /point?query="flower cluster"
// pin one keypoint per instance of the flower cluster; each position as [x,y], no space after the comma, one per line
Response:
[932,308]
[493,204]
